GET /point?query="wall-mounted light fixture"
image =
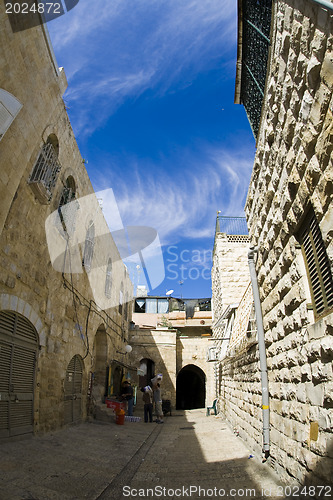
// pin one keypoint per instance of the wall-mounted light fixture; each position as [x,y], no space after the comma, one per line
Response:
[128,349]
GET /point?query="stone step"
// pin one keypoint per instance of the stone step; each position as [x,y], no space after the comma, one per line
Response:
[103,414]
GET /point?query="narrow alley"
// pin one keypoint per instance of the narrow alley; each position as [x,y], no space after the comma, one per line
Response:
[189,456]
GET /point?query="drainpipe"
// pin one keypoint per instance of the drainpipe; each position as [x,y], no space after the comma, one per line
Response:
[262,351]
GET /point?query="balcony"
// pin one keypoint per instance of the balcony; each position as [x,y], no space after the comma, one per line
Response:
[254,23]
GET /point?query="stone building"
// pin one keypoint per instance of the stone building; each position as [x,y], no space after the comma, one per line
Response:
[173,337]
[233,327]
[285,81]
[65,295]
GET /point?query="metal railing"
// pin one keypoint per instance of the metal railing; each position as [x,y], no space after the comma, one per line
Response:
[255,46]
[231,225]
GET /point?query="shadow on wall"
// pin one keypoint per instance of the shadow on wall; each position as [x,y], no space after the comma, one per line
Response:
[323,488]
[150,357]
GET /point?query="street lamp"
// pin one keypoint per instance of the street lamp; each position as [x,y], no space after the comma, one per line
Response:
[128,349]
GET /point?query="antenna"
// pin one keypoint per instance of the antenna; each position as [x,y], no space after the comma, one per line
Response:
[169,292]
[181,282]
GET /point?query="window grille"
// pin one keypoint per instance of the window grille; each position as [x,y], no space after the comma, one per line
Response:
[317,265]
[44,174]
[67,195]
[255,48]
[232,226]
[67,209]
[89,247]
[108,279]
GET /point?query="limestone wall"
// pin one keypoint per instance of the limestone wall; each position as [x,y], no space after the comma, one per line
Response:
[230,280]
[66,310]
[28,73]
[170,354]
[230,274]
[293,168]
[193,351]
[160,347]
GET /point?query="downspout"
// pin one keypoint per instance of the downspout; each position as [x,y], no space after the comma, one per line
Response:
[262,351]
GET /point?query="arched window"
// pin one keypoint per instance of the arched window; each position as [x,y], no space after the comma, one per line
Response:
[66,209]
[46,169]
[89,247]
[121,298]
[68,192]
[108,279]
[126,307]
[9,109]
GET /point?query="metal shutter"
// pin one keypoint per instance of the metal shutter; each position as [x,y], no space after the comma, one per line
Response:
[18,353]
[318,267]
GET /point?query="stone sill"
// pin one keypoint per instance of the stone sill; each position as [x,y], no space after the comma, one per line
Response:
[320,328]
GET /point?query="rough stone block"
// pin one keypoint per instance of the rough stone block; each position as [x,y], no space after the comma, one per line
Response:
[328,394]
[306,105]
[314,393]
[10,281]
[326,73]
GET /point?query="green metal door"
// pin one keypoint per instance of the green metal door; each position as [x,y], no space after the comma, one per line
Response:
[73,391]
[18,354]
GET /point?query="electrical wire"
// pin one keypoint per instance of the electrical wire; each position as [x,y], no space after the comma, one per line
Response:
[109,323]
[86,332]
[83,301]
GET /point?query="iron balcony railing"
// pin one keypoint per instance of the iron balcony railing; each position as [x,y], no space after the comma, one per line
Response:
[231,225]
[255,47]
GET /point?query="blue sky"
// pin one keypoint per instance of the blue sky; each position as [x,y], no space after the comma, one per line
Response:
[150,99]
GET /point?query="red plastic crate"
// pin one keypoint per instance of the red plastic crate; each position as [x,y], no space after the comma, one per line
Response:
[115,405]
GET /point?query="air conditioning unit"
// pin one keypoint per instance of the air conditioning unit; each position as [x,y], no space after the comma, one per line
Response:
[212,354]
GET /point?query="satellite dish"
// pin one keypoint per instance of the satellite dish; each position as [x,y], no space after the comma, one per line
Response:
[169,292]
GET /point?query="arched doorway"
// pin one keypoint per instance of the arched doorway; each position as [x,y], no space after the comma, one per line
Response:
[190,388]
[73,391]
[101,370]
[148,369]
[115,379]
[18,355]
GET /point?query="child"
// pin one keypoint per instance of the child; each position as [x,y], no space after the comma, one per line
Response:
[147,398]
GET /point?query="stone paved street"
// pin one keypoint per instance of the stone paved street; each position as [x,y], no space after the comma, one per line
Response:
[106,461]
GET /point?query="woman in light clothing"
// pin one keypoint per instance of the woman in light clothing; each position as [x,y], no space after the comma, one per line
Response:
[158,404]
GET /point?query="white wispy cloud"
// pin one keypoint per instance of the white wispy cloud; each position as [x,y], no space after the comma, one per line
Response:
[183,205]
[112,50]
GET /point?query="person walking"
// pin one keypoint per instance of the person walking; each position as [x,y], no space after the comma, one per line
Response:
[128,396]
[147,398]
[158,404]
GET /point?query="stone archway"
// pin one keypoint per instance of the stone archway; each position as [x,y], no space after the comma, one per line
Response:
[190,388]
